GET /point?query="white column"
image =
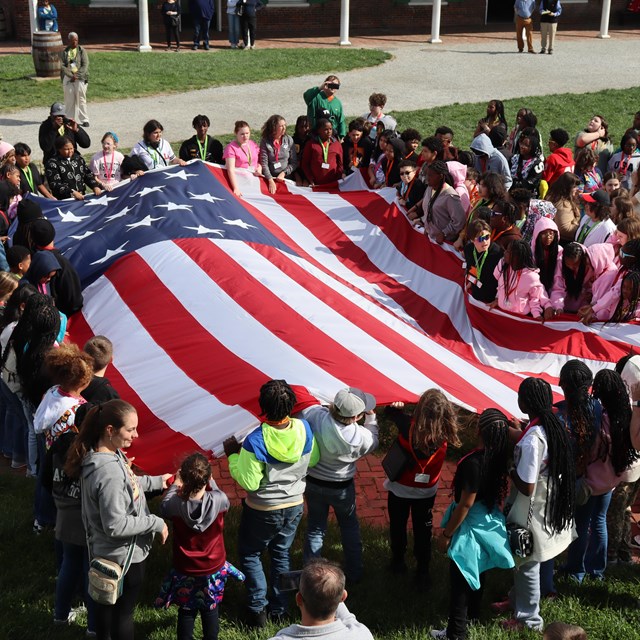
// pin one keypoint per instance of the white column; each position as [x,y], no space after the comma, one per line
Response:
[33,16]
[344,22]
[143,25]
[435,22]
[604,20]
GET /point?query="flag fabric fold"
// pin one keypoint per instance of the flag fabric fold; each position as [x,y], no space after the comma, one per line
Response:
[207,296]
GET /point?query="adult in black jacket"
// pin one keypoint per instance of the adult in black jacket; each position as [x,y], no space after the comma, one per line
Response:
[58,125]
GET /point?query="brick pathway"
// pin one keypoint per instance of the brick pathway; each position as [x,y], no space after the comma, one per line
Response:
[371,495]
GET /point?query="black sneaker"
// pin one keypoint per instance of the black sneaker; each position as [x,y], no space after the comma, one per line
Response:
[256,619]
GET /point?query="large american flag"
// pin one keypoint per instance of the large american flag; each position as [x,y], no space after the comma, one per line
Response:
[207,296]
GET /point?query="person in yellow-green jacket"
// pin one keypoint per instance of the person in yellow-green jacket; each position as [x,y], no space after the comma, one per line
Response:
[271,465]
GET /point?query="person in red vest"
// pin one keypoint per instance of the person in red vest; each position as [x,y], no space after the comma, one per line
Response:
[423,439]
[196,507]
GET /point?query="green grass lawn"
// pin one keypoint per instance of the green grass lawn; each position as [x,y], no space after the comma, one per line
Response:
[386,602]
[564,110]
[129,74]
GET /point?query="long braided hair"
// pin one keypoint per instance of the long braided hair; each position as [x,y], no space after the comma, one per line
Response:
[535,399]
[573,282]
[493,427]
[30,354]
[576,379]
[23,329]
[276,399]
[626,312]
[609,388]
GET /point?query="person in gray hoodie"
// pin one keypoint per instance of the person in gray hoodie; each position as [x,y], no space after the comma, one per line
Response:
[341,441]
[488,158]
[114,507]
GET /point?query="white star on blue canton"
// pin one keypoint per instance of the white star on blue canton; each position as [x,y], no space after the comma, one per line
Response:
[200,230]
[103,201]
[238,223]
[69,216]
[146,191]
[207,197]
[146,222]
[110,253]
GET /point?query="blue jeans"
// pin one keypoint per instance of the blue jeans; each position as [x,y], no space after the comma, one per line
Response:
[588,552]
[234,28]
[525,595]
[32,442]
[73,573]
[547,586]
[343,501]
[15,423]
[201,29]
[274,531]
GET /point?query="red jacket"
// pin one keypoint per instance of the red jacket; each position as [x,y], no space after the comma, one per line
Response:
[198,553]
[431,466]
[559,162]
[313,159]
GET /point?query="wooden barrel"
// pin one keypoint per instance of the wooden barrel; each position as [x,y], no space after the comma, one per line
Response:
[46,49]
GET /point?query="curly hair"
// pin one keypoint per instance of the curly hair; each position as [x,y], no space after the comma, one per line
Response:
[69,367]
[434,422]
[270,127]
[195,472]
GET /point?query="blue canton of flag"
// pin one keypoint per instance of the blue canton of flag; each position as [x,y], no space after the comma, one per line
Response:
[176,202]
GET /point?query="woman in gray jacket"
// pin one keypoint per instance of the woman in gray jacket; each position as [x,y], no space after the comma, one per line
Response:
[278,155]
[115,510]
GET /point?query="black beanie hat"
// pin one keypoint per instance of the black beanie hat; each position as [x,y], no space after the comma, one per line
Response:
[28,211]
[42,232]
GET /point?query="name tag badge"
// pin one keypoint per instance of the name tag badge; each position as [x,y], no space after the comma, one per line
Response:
[325,165]
[478,284]
[277,165]
[422,477]
[472,279]
[464,265]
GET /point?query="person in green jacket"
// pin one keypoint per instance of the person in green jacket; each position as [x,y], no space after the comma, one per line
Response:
[322,102]
[271,465]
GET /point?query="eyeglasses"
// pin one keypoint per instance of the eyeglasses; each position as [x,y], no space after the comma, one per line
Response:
[483,238]
[406,173]
[496,213]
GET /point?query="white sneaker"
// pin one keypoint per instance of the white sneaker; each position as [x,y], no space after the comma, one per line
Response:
[439,634]
[70,618]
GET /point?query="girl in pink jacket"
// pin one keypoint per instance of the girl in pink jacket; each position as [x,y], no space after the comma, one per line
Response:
[519,286]
[627,308]
[607,292]
[576,273]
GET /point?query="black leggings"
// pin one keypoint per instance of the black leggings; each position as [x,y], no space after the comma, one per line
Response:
[172,31]
[422,521]
[464,603]
[115,622]
[187,619]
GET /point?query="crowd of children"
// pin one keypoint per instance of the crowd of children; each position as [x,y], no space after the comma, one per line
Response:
[539,236]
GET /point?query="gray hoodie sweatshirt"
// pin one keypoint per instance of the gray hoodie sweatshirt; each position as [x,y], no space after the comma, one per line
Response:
[114,511]
[495,160]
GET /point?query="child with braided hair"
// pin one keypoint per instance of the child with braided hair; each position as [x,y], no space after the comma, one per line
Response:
[474,526]
[542,498]
[196,507]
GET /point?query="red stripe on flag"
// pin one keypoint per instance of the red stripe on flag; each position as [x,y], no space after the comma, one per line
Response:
[159,448]
[431,367]
[284,321]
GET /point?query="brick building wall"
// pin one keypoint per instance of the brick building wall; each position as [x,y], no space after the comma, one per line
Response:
[100,24]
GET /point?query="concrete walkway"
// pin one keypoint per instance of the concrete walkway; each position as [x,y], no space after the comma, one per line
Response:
[464,68]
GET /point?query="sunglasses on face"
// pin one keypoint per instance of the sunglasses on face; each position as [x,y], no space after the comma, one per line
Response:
[483,238]
[496,213]
[406,173]
[626,255]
